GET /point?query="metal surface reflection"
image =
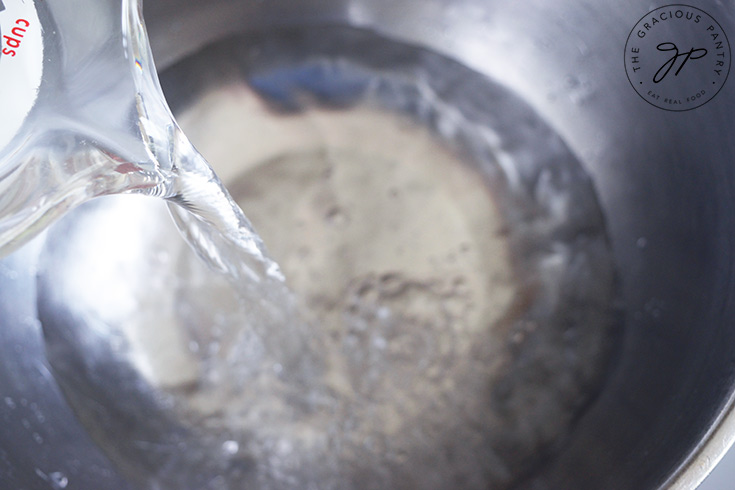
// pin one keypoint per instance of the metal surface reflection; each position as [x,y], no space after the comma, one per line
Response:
[666,188]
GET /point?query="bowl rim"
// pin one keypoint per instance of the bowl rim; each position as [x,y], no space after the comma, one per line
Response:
[707,453]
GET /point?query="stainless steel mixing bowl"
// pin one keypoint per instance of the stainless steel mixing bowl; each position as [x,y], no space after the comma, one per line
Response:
[665,181]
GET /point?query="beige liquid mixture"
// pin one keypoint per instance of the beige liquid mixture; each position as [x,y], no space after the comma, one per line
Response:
[429,375]
[453,288]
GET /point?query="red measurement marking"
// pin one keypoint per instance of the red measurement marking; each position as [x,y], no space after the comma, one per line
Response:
[12,43]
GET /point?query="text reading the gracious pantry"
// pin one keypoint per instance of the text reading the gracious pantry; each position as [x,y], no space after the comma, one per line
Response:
[677,57]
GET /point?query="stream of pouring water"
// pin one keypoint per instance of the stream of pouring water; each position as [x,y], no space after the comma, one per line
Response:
[206,214]
[214,225]
[217,229]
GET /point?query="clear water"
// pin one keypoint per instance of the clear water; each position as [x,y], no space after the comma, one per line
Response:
[453,283]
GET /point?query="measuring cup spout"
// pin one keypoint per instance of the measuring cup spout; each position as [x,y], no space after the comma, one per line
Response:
[96,122]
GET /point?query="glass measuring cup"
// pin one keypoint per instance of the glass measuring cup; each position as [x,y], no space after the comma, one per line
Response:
[89,118]
[83,114]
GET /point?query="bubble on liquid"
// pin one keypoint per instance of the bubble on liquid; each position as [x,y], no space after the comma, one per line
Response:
[10,403]
[391,284]
[230,447]
[654,307]
[59,479]
[336,216]
[380,343]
